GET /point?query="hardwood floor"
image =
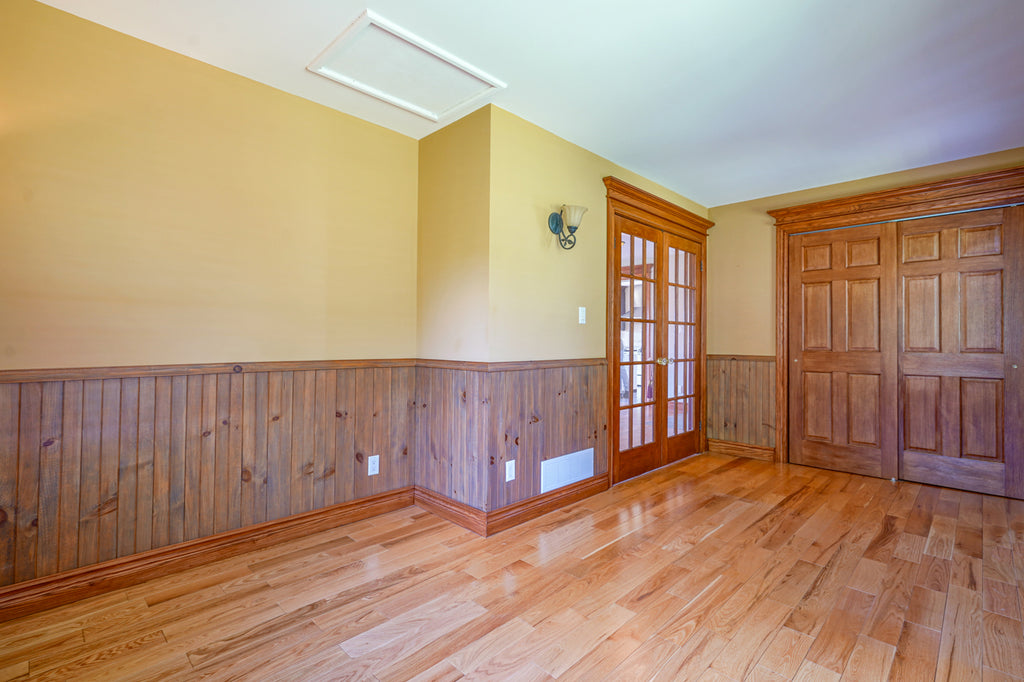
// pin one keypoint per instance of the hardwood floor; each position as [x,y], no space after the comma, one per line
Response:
[715,568]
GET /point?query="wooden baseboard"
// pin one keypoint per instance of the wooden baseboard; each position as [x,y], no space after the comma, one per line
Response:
[520,512]
[448,509]
[32,596]
[728,447]
[489,523]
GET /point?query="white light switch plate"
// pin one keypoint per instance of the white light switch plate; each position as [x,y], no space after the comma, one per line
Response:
[510,470]
[373,465]
[583,315]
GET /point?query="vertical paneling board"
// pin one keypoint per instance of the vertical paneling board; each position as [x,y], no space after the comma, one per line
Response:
[144,457]
[28,482]
[741,399]
[128,464]
[48,520]
[70,473]
[160,525]
[96,469]
[401,438]
[110,440]
[176,469]
[9,396]
[89,489]
[302,447]
[345,436]
[326,384]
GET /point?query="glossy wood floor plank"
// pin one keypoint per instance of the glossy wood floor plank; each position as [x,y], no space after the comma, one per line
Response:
[714,568]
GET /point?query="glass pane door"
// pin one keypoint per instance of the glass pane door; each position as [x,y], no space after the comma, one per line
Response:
[637,342]
[682,349]
[657,348]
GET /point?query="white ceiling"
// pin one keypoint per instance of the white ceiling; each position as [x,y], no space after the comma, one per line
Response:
[719,100]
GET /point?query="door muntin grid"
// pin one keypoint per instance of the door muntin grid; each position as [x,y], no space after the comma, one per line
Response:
[681,350]
[637,340]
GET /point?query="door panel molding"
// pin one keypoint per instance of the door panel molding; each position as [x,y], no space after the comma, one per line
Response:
[843,424]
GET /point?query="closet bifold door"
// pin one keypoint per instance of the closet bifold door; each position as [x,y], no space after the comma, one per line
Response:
[842,350]
[960,336]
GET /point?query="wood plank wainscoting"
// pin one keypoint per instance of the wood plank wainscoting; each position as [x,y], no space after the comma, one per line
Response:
[741,405]
[109,476]
[472,418]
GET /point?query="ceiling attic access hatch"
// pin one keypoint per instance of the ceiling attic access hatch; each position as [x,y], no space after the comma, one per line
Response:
[385,61]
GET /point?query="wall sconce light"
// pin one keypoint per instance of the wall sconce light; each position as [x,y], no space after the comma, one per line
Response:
[568,218]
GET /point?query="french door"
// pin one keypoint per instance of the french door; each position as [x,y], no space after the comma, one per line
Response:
[656,347]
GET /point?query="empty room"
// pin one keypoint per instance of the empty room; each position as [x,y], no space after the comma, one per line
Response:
[512,340]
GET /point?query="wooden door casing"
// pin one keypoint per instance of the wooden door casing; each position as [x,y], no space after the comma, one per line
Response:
[960,317]
[842,347]
[670,229]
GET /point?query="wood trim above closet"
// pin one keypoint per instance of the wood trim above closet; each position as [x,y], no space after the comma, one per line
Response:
[958,194]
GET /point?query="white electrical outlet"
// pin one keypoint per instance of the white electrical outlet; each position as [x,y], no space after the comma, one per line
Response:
[510,470]
[373,465]
[583,314]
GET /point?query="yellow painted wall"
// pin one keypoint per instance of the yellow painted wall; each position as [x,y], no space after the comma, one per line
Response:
[454,192]
[741,252]
[154,209]
[536,286]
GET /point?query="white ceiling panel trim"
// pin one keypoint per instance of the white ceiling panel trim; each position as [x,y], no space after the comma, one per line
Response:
[381,59]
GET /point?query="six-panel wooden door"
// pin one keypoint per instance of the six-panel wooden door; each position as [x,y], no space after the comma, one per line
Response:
[961,306]
[842,373]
